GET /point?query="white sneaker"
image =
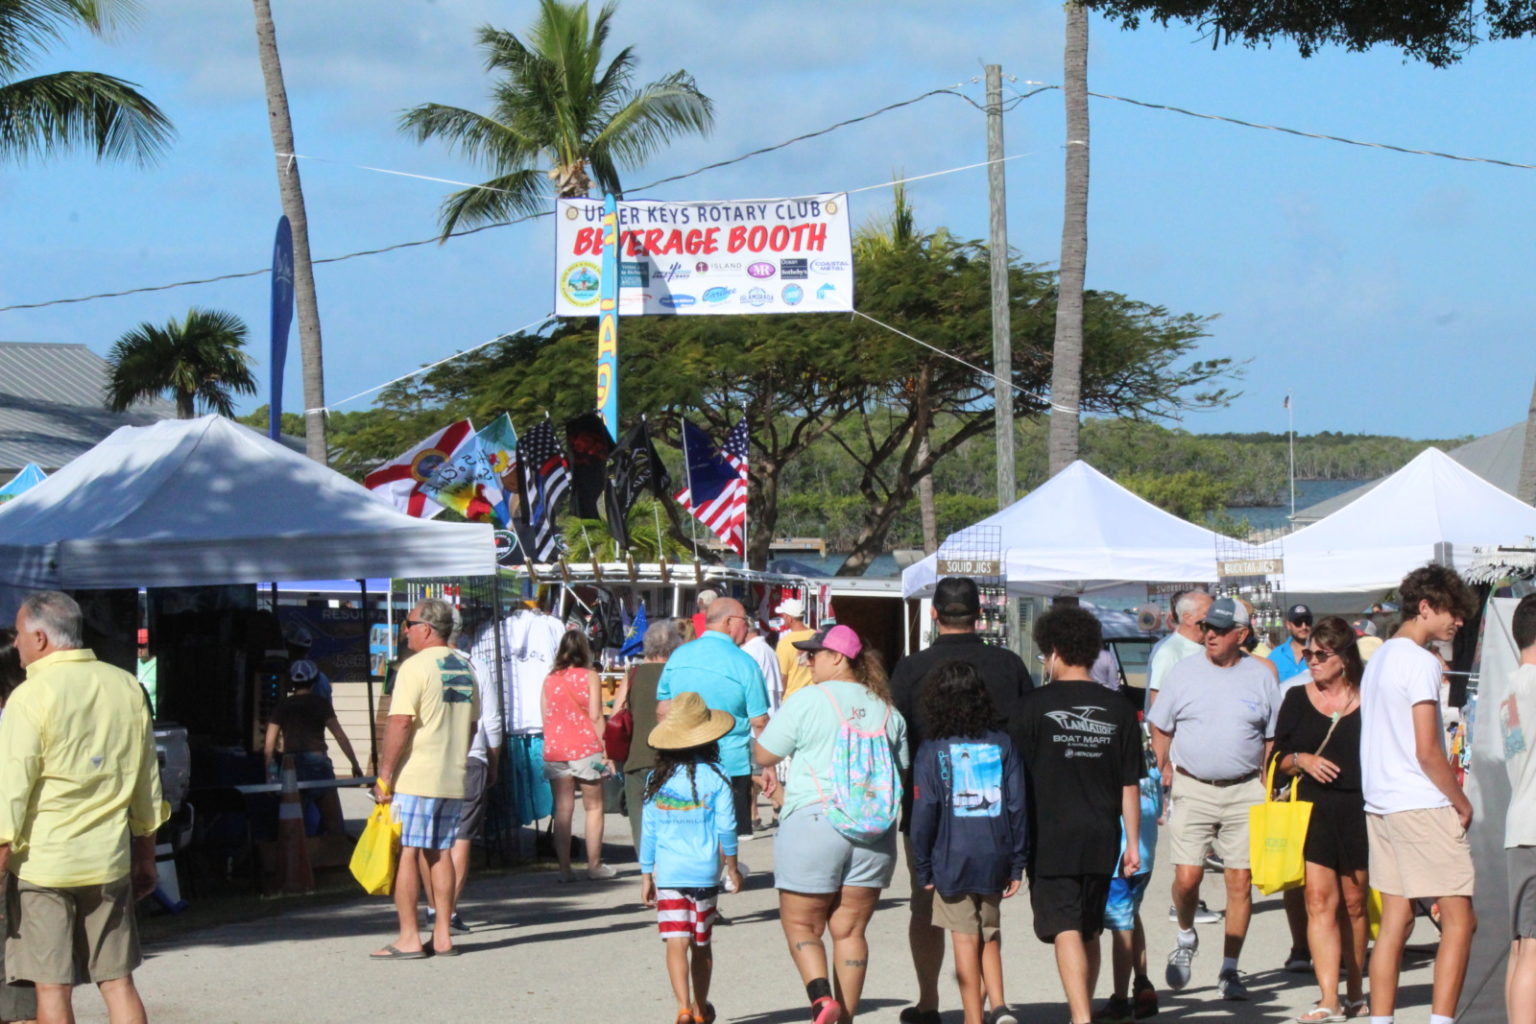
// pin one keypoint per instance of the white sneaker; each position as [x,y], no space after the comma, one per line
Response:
[1179,963]
[601,872]
[1203,914]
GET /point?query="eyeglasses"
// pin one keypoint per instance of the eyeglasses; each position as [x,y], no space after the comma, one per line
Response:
[409,623]
[1218,630]
[1317,654]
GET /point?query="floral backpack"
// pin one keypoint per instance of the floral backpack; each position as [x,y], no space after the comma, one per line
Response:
[865,797]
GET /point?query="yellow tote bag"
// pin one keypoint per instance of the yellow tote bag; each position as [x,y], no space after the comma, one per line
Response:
[1277,835]
[378,850]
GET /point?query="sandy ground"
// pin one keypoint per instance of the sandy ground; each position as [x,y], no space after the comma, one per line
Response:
[588,951]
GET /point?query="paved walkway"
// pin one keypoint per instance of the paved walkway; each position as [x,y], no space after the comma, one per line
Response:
[589,952]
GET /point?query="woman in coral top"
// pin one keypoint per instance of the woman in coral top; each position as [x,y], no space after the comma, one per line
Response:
[572,705]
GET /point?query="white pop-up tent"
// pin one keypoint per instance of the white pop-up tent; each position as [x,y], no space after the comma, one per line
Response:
[208,501]
[1373,542]
[1081,532]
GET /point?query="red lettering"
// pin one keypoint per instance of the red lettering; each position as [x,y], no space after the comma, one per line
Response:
[711,241]
[589,240]
[817,240]
[778,238]
[652,240]
[757,238]
[737,239]
[631,243]
[674,242]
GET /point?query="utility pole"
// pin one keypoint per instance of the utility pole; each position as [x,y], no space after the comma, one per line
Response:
[1002,328]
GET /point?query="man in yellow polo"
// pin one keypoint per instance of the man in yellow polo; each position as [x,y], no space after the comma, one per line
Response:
[81,777]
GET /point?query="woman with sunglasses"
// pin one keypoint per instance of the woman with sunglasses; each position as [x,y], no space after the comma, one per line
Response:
[1317,740]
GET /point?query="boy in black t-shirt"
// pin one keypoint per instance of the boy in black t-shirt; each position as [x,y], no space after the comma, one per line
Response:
[1082,751]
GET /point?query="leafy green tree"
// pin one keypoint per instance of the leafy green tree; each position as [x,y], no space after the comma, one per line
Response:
[1439,32]
[559,117]
[65,110]
[199,359]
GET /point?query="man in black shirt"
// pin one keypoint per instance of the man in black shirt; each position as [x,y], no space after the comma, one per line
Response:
[956,607]
[1082,753]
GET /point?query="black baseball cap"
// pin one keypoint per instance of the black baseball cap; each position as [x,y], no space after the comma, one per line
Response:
[1299,614]
[957,595]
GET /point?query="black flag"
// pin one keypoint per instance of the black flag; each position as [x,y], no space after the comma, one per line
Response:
[590,445]
[633,466]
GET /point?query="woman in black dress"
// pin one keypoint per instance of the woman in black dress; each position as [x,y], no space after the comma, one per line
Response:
[1317,739]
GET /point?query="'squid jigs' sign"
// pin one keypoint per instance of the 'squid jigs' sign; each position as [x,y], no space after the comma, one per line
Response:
[708,258]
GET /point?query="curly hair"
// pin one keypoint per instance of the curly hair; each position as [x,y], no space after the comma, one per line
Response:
[1072,634]
[1441,587]
[956,703]
[670,762]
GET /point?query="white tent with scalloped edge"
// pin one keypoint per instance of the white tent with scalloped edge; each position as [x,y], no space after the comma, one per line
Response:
[1081,532]
[1370,544]
[208,501]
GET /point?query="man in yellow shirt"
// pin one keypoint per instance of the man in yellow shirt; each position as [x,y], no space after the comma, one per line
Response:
[81,776]
[796,675]
[433,711]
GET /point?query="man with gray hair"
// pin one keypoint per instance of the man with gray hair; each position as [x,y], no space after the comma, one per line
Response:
[1189,609]
[79,806]
[433,711]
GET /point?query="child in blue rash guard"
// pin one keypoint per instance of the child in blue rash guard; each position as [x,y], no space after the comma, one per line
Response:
[688,824]
[1122,917]
[968,829]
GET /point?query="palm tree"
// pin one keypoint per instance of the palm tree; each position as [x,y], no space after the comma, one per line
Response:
[1066,369]
[559,117]
[63,110]
[198,359]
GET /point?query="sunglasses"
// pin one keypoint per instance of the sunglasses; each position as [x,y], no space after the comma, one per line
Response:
[1218,630]
[415,622]
[1317,654]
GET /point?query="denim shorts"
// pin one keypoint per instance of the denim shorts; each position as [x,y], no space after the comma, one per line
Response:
[811,856]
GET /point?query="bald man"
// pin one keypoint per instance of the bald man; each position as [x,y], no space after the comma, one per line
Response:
[716,668]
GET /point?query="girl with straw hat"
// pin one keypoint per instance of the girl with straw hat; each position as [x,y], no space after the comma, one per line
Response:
[687,825]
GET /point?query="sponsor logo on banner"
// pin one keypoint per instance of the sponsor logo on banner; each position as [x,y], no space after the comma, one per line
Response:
[762,270]
[580,283]
[506,546]
[793,270]
[826,291]
[677,301]
[634,273]
[757,297]
[793,294]
[676,272]
[829,266]
[718,294]
[701,267]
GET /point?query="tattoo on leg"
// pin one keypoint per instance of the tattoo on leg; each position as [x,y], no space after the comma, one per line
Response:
[807,942]
[856,963]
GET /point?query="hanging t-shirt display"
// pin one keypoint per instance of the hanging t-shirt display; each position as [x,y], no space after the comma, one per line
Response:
[529,640]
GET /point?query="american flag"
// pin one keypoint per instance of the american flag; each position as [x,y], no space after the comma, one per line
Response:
[716,491]
[546,478]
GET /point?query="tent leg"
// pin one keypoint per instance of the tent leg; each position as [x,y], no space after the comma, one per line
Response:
[373,733]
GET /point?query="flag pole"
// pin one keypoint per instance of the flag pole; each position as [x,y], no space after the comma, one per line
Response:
[747,506]
[1290,412]
[693,519]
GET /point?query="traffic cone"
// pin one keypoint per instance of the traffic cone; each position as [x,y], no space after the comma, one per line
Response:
[294,874]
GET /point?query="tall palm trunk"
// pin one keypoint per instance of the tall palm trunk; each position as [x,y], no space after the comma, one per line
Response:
[293,205]
[1066,369]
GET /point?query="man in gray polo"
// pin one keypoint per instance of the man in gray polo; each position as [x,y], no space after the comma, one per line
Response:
[1211,730]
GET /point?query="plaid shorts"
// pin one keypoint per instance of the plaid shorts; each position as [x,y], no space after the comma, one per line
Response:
[686,913]
[427,822]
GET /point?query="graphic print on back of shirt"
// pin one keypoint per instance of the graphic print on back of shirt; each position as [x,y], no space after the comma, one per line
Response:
[976,780]
[1511,727]
[1080,732]
[458,679]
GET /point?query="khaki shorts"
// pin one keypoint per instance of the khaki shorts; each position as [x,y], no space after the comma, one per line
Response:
[921,903]
[52,930]
[968,914]
[1211,817]
[1420,854]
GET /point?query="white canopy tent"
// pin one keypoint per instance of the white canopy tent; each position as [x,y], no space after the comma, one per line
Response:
[1373,542]
[208,501]
[1081,532]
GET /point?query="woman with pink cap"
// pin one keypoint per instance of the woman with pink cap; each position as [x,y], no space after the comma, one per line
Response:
[836,846]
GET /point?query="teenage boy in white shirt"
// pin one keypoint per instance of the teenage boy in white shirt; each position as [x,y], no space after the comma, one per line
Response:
[1416,812]
[1517,720]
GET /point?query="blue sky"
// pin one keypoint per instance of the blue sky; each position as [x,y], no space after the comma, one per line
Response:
[1384,290]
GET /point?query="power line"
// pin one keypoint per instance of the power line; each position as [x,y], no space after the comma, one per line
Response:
[1294,131]
[484,227]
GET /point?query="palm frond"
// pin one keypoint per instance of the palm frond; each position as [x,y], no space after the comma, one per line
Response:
[29,27]
[656,114]
[511,195]
[69,109]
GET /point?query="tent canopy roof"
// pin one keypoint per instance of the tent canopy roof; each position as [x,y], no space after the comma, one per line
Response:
[1079,532]
[1373,542]
[208,501]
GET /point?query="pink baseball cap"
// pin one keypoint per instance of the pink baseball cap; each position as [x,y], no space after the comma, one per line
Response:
[841,639]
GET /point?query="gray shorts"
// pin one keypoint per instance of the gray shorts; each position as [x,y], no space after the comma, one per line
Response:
[472,817]
[1521,862]
[811,856]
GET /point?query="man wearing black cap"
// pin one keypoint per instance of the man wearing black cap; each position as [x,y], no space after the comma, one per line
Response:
[1287,657]
[956,607]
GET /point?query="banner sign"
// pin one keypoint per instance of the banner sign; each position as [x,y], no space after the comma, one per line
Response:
[608,322]
[709,258]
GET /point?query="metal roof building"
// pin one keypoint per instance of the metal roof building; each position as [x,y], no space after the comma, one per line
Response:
[53,405]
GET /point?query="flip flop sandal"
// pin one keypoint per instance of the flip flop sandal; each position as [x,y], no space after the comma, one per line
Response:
[1320,1014]
[391,953]
[1356,1008]
[433,951]
[827,1011]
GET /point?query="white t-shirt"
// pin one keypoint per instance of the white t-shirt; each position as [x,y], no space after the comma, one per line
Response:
[768,660]
[1174,648]
[1398,676]
[1517,724]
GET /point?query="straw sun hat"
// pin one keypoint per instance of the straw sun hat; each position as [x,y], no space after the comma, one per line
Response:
[690,723]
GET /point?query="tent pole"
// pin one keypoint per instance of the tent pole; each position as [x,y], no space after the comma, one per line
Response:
[373,733]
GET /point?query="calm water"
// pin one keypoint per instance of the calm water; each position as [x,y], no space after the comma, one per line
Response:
[1308,492]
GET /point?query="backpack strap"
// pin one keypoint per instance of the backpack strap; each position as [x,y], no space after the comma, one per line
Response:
[842,718]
